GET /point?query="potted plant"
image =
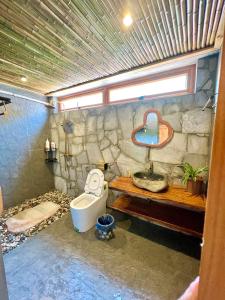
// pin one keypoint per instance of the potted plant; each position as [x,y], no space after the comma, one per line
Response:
[193,178]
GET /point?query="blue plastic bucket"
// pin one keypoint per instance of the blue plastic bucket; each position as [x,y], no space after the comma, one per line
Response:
[105,225]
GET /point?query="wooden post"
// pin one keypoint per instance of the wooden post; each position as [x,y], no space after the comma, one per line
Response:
[212,269]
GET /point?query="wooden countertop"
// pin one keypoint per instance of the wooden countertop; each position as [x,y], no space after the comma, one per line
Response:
[176,196]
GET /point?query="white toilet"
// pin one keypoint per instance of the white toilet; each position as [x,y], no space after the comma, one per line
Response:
[90,205]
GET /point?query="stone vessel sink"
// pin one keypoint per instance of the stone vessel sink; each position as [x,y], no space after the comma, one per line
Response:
[150,181]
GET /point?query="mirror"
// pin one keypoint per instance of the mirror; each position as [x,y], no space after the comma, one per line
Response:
[154,132]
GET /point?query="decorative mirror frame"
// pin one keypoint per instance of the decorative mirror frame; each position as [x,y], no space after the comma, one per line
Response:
[161,121]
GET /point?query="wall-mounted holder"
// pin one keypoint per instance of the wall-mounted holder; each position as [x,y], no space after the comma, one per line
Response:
[50,156]
[102,166]
[67,155]
[3,102]
[210,103]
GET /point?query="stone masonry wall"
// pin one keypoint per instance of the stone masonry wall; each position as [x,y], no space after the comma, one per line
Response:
[23,131]
[104,134]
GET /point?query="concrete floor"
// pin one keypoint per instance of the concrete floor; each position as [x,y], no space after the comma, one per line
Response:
[144,261]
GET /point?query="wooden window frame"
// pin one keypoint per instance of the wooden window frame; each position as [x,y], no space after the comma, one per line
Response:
[68,97]
[189,70]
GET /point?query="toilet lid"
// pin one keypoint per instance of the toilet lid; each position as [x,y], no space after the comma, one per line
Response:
[95,182]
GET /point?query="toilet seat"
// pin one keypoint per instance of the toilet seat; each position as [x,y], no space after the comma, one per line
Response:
[83,201]
[94,183]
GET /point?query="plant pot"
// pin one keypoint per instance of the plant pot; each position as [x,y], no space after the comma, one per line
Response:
[195,187]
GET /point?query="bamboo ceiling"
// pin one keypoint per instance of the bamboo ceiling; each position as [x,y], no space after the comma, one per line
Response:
[59,43]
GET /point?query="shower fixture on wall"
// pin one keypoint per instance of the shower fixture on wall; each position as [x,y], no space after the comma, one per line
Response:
[210,103]
[3,102]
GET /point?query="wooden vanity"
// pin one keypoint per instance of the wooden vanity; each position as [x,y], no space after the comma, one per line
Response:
[174,208]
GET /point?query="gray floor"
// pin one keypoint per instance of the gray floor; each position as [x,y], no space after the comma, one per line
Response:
[142,262]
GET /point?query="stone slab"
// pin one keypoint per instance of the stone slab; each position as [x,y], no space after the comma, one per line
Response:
[79,129]
[128,166]
[197,121]
[94,153]
[196,160]
[167,155]
[31,216]
[174,120]
[107,155]
[112,136]
[104,144]
[170,108]
[76,149]
[198,144]
[125,115]
[82,158]
[115,151]
[91,124]
[60,184]
[138,153]
[110,120]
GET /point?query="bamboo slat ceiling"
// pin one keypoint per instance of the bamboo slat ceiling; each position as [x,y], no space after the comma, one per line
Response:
[58,43]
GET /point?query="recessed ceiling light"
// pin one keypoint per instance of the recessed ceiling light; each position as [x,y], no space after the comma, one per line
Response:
[23,78]
[127,20]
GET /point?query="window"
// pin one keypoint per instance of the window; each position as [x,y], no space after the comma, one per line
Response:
[90,99]
[151,88]
[171,83]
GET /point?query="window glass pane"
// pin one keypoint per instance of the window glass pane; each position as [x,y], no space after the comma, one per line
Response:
[80,101]
[161,86]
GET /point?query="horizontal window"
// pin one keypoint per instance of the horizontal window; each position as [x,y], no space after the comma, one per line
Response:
[90,99]
[171,83]
[156,87]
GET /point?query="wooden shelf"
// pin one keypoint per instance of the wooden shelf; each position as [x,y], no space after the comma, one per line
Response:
[173,208]
[50,160]
[176,218]
[175,196]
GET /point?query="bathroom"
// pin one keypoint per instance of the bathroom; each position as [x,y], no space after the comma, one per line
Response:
[61,125]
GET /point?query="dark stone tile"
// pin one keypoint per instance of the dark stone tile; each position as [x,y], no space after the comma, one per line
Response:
[62,264]
[22,132]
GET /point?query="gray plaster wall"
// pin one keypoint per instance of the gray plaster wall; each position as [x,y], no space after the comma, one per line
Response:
[3,286]
[23,131]
[104,135]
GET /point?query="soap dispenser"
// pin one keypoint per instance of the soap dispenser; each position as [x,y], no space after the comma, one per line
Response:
[47,145]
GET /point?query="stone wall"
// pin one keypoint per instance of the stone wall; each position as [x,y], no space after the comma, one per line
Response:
[23,131]
[104,134]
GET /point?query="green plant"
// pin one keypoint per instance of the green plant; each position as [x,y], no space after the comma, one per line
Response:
[191,173]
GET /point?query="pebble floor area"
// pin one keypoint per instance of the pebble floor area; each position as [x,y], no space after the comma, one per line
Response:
[10,240]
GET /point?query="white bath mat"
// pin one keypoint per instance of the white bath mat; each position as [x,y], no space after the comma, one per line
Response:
[31,216]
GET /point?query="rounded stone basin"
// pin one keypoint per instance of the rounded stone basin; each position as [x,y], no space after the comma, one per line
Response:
[150,181]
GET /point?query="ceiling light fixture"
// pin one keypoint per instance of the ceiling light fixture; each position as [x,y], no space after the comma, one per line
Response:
[127,20]
[23,78]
